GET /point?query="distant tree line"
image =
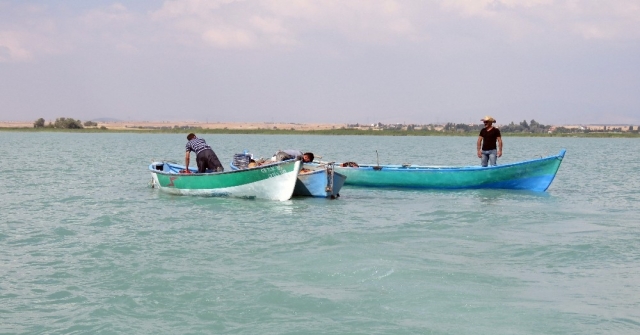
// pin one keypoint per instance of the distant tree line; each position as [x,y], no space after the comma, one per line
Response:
[167,127]
[524,127]
[532,127]
[65,123]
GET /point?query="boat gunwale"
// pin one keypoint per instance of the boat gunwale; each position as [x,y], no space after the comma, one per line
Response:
[301,173]
[317,171]
[413,168]
[197,174]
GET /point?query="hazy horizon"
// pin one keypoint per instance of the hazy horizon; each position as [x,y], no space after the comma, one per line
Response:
[112,120]
[360,61]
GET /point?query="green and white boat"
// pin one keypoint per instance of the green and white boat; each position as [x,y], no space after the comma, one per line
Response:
[274,181]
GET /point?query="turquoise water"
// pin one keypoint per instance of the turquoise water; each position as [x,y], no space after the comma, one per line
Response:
[87,247]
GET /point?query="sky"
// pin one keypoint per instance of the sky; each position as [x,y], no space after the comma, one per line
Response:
[325,61]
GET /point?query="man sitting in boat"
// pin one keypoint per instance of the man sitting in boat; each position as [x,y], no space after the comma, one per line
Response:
[206,159]
[283,155]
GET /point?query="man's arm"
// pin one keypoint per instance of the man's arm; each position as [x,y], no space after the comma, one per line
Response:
[186,161]
[478,146]
[499,146]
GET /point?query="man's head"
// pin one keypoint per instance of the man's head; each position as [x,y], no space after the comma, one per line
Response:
[488,120]
[307,157]
[191,136]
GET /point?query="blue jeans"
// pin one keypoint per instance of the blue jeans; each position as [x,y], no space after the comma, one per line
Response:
[489,156]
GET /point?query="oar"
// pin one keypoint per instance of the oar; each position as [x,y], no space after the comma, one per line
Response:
[377,167]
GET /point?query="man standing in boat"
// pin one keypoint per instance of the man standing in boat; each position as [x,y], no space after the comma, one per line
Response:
[487,142]
[205,157]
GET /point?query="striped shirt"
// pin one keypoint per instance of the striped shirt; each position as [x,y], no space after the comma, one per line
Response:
[197,145]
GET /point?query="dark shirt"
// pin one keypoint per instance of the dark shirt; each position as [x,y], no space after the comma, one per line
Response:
[489,138]
[197,145]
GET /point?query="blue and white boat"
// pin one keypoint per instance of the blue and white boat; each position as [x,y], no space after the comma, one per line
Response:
[314,180]
[319,180]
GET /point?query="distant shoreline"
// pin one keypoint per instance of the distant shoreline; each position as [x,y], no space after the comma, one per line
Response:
[285,129]
[166,125]
[136,125]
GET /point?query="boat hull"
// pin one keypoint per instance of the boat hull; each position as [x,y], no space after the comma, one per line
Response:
[319,182]
[315,180]
[534,175]
[274,182]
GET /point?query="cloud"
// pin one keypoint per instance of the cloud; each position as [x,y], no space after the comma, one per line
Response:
[113,15]
[12,47]
[113,26]
[194,22]
[587,19]
[606,20]
[229,37]
[365,21]
[260,24]
[489,8]
[24,32]
[27,31]
[264,24]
